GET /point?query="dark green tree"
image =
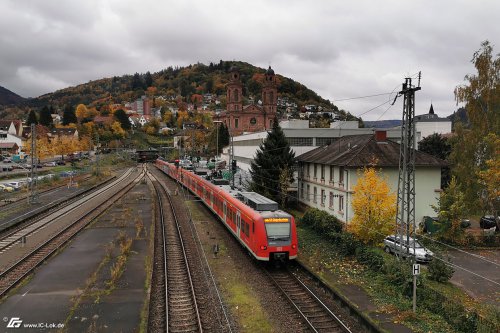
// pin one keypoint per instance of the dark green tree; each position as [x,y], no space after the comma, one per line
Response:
[224,137]
[32,119]
[69,115]
[148,79]
[45,117]
[137,82]
[272,159]
[435,145]
[122,117]
[438,146]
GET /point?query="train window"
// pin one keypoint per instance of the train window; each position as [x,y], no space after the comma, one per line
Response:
[224,211]
[212,198]
[253,227]
[238,220]
[278,231]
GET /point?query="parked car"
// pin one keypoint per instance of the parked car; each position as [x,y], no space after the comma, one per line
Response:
[7,168]
[393,244]
[50,164]
[7,160]
[487,222]
[15,185]
[61,163]
[6,188]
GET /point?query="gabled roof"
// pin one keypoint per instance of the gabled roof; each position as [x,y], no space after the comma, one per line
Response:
[8,145]
[357,151]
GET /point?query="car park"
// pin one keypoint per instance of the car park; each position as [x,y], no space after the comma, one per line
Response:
[394,245]
[487,222]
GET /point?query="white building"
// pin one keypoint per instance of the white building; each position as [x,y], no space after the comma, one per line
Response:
[300,137]
[328,174]
[430,123]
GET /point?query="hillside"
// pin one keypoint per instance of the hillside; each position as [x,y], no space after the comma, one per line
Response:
[187,81]
[7,97]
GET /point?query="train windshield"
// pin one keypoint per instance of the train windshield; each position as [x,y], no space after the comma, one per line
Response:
[278,231]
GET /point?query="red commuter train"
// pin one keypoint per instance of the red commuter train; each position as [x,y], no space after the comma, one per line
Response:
[254,220]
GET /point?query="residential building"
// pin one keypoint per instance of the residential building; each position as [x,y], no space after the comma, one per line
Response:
[328,174]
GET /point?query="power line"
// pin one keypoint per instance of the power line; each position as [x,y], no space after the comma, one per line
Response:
[361,97]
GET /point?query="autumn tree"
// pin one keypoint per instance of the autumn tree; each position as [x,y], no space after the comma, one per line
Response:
[69,116]
[451,209]
[273,156]
[374,207]
[45,117]
[32,119]
[117,130]
[473,147]
[81,112]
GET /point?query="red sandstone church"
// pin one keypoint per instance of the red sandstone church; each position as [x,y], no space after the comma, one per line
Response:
[249,118]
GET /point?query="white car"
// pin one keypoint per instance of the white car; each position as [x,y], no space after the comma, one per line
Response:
[392,244]
[15,185]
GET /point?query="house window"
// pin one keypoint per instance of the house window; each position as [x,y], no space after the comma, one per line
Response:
[331,200]
[253,121]
[341,203]
[341,175]
[308,193]
[302,190]
[332,168]
[236,123]
[308,170]
[323,197]
[315,171]
[322,172]
[300,141]
[315,199]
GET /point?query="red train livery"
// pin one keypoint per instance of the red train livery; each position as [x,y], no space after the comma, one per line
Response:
[254,220]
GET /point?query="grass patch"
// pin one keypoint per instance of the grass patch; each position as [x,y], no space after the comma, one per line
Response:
[247,308]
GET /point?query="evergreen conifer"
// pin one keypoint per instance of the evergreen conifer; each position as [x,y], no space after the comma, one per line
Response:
[272,158]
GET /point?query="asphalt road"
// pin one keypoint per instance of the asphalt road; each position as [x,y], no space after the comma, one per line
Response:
[478,273]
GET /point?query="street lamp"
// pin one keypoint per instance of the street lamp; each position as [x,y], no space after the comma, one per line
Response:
[217,148]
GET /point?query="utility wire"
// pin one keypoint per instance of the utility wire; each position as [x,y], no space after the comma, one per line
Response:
[360,97]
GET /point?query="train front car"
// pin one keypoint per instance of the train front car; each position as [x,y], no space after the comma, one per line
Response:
[281,236]
[275,236]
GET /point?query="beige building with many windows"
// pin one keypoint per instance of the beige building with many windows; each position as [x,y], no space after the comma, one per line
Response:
[328,174]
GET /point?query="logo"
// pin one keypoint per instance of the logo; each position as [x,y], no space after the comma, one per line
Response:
[14,322]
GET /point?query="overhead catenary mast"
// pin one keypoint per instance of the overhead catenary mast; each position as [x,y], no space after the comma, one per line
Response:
[405,218]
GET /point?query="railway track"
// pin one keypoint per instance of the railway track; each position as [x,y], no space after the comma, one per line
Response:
[172,272]
[213,316]
[11,276]
[16,236]
[316,314]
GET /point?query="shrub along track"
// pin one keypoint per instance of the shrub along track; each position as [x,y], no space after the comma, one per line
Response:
[32,259]
[184,297]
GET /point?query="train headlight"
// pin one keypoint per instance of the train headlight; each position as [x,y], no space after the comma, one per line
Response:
[294,246]
[263,247]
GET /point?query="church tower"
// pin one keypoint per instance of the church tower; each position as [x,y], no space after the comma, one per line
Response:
[234,92]
[269,97]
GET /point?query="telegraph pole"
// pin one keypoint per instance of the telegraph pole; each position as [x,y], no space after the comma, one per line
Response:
[405,218]
[33,197]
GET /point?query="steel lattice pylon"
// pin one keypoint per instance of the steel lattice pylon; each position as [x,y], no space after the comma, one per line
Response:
[405,218]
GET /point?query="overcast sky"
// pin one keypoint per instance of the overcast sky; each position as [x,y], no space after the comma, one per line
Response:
[340,49]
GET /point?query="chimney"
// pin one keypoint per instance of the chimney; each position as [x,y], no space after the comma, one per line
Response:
[380,136]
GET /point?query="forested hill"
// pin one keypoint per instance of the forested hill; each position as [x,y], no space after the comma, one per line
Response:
[7,97]
[185,81]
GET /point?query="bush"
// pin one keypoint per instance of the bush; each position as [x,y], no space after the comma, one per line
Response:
[345,242]
[439,271]
[370,258]
[398,272]
[321,221]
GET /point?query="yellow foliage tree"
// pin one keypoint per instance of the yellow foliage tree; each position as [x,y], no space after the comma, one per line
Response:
[43,148]
[117,129]
[81,111]
[374,208]
[64,145]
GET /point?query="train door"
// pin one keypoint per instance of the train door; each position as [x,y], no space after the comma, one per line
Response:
[224,211]
[238,223]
